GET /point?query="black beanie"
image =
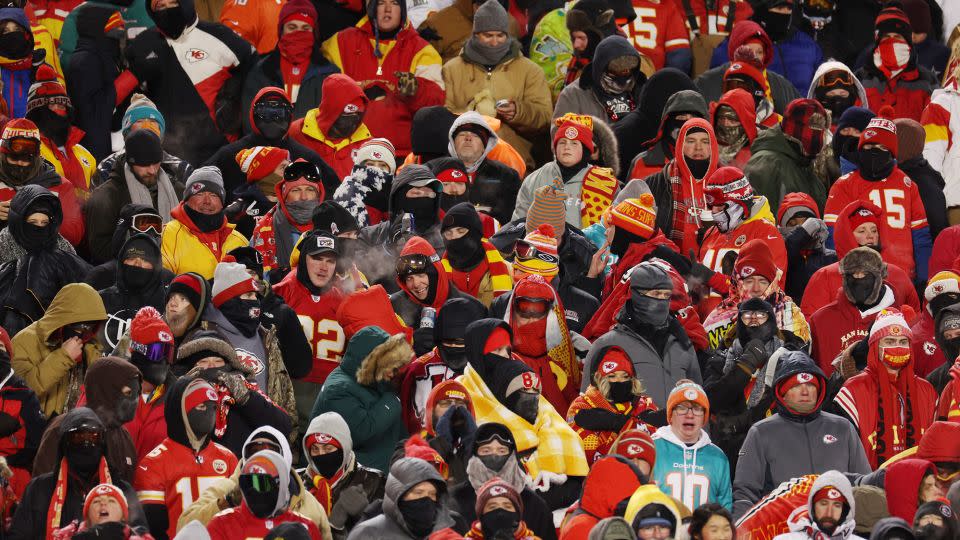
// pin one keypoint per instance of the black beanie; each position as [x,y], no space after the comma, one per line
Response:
[249,257]
[142,246]
[330,217]
[463,215]
[143,148]
[503,375]
[454,316]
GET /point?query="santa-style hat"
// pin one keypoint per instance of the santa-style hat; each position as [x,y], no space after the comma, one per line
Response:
[636,216]
[111,491]
[889,322]
[574,131]
[230,279]
[258,162]
[880,131]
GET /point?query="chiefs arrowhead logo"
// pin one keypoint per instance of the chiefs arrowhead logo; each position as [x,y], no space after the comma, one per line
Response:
[570,133]
[741,240]
[929,348]
[196,55]
[747,271]
[608,367]
[250,361]
[498,491]
[804,378]
[829,439]
[869,134]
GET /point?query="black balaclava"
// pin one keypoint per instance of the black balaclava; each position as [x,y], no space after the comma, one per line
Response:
[671,130]
[328,464]
[424,209]
[84,459]
[845,146]
[202,422]
[174,20]
[126,406]
[346,124]
[272,115]
[836,104]
[644,309]
[466,252]
[499,523]
[419,515]
[875,163]
[510,385]
[243,314]
[622,239]
[439,165]
[36,238]
[451,324]
[526,405]
[860,290]
[54,126]
[777,25]
[766,331]
[154,373]
[134,278]
[16,45]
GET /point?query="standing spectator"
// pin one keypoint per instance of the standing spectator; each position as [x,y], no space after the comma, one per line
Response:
[609,88]
[199,236]
[770,452]
[892,76]
[659,149]
[659,33]
[930,183]
[470,261]
[846,138]
[151,350]
[17,53]
[449,28]
[396,68]
[707,477]
[198,94]
[138,177]
[491,76]
[782,160]
[872,399]
[938,148]
[355,391]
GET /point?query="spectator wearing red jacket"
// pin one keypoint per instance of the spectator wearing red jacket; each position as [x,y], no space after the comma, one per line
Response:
[611,481]
[942,291]
[734,120]
[151,351]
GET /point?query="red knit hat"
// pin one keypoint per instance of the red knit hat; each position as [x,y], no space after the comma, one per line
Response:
[636,444]
[148,328]
[636,216]
[416,447]
[20,129]
[321,438]
[755,258]
[880,131]
[298,10]
[745,69]
[728,184]
[829,493]
[258,162]
[864,212]
[198,391]
[498,338]
[613,360]
[800,378]
[575,132]
[111,491]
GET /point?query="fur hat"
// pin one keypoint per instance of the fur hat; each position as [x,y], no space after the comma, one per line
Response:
[210,343]
[863,259]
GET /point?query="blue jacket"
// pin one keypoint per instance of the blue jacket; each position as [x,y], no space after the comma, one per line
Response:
[800,52]
[696,474]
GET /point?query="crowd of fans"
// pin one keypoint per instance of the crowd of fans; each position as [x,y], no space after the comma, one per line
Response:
[485,269]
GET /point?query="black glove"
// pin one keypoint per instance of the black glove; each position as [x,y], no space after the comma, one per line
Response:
[8,425]
[754,354]
[600,420]
[859,353]
[698,270]
[422,341]
[680,263]
[428,33]
[462,422]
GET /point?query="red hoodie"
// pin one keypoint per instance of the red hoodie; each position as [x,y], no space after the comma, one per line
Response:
[419,246]
[742,104]
[687,192]
[902,484]
[609,482]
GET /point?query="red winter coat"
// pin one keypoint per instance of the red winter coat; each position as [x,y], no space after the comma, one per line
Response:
[149,426]
[239,522]
[420,377]
[609,482]
[840,324]
[908,93]
[927,354]
[902,484]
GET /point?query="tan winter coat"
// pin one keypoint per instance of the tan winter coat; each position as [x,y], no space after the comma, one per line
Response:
[453,25]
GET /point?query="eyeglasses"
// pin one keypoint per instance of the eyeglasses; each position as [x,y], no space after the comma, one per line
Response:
[532,308]
[20,148]
[412,264]
[760,316]
[302,169]
[83,437]
[259,482]
[684,409]
[145,222]
[526,251]
[154,352]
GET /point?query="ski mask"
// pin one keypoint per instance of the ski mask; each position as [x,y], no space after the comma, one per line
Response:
[837,104]
[271,117]
[38,238]
[698,167]
[127,405]
[243,314]
[83,447]
[875,163]
[526,405]
[171,21]
[328,464]
[419,515]
[455,357]
[644,309]
[466,252]
[859,290]
[777,25]
[499,523]
[845,146]
[763,332]
[424,210]
[345,125]
[154,373]
[265,484]
[202,422]
[16,45]
[53,125]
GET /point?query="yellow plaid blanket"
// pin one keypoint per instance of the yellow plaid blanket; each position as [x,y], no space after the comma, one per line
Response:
[558,448]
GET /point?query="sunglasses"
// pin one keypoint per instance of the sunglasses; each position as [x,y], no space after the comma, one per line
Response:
[145,222]
[533,308]
[155,352]
[412,264]
[302,169]
[259,482]
[525,250]
[84,438]
[21,148]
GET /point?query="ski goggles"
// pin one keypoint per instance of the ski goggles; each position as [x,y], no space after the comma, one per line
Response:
[154,352]
[532,308]
[20,148]
[837,79]
[526,251]
[302,169]
[412,264]
[145,222]
[259,483]
[83,437]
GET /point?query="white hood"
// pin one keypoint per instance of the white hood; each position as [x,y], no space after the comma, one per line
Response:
[833,65]
[472,117]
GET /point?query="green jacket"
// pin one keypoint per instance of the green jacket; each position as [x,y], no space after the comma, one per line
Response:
[777,167]
[135,20]
[360,391]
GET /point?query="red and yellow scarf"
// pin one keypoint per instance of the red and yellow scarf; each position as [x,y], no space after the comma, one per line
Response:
[55,510]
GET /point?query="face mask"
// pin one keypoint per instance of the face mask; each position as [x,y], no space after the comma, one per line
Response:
[423,210]
[860,290]
[261,504]
[465,252]
[296,46]
[698,167]
[205,222]
[154,373]
[526,405]
[328,464]
[617,85]
[51,124]
[302,211]
[454,357]
[875,164]
[895,357]
[449,201]
[730,218]
[932,532]
[127,405]
[837,104]
[84,459]
[891,56]
[777,24]
[621,392]
[729,135]
[953,344]
[499,521]
[845,146]
[171,21]
[202,422]
[764,332]
[652,311]
[419,515]
[134,277]
[19,174]
[530,339]
[345,125]
[38,238]
[493,462]
[15,45]
[244,314]
[273,130]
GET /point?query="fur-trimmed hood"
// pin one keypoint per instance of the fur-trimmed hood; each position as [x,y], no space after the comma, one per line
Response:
[372,353]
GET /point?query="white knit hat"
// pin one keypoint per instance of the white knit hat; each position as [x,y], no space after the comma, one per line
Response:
[378,149]
[230,279]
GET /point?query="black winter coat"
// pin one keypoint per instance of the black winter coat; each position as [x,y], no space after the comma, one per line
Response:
[266,72]
[294,347]
[930,183]
[801,266]
[496,185]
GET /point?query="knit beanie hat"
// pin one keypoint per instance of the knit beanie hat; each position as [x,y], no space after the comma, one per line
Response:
[19,128]
[192,286]
[108,490]
[855,117]
[548,206]
[636,216]
[249,257]
[495,487]
[880,131]
[889,322]
[863,212]
[298,10]
[892,19]
[205,179]
[417,447]
[613,360]
[330,217]
[148,327]
[803,377]
[863,259]
[143,148]
[207,343]
[574,131]
[230,280]
[728,184]
[491,17]
[871,504]
[636,444]
[755,258]
[499,337]
[197,392]
[141,108]
[687,390]
[377,149]
[288,530]
[511,377]
[910,138]
[448,169]
[47,91]
[546,263]
[942,290]
[259,161]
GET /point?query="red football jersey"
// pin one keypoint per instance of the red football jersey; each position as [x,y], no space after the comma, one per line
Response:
[173,476]
[657,30]
[318,316]
[241,524]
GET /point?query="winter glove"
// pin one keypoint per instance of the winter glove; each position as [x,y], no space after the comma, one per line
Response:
[406,83]
[236,385]
[546,479]
[350,503]
[8,425]
[444,427]
[430,34]
[422,341]
[679,263]
[754,355]
[698,271]
[600,420]
[464,426]
[817,230]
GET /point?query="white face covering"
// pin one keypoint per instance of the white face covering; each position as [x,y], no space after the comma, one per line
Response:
[730,218]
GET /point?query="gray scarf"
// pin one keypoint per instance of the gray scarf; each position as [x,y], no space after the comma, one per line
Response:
[283,233]
[488,56]
[167,199]
[478,473]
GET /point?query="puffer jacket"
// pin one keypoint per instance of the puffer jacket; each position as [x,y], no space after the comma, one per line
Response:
[583,96]
[359,392]
[777,167]
[651,160]
[177,169]
[404,474]
[471,87]
[908,94]
[941,122]
[186,249]
[611,480]
[54,376]
[796,58]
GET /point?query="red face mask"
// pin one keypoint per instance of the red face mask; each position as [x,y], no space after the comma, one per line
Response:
[531,338]
[891,55]
[296,46]
[895,357]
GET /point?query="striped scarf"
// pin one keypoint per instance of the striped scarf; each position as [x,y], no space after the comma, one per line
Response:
[500,275]
[55,510]
[596,194]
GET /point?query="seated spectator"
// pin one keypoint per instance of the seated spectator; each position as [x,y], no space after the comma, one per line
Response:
[473,264]
[492,184]
[609,88]
[499,512]
[449,28]
[137,177]
[133,219]
[659,150]
[734,120]
[105,512]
